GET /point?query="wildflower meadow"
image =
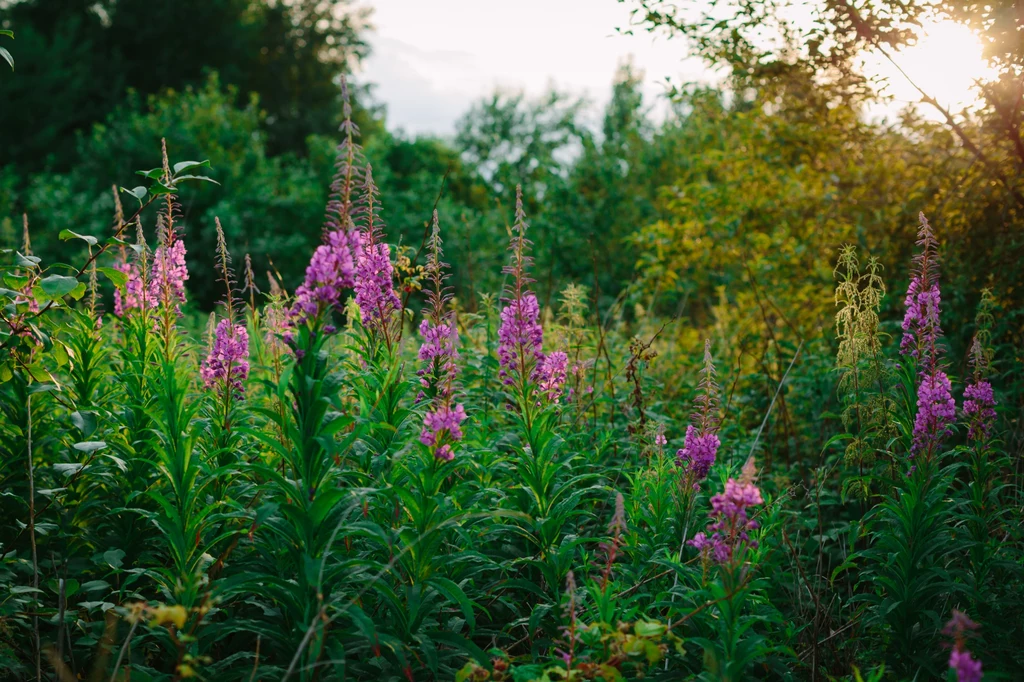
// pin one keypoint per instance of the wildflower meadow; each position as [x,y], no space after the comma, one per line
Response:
[732,396]
[362,480]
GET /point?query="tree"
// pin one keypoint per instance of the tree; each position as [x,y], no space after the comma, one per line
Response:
[79,56]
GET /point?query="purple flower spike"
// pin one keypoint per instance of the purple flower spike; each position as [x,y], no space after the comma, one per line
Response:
[519,337]
[731,524]
[330,270]
[228,361]
[167,281]
[374,286]
[936,412]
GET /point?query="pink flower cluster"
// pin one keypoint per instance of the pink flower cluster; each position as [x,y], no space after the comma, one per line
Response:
[701,443]
[729,530]
[519,337]
[967,668]
[330,270]
[167,279]
[921,322]
[445,419]
[698,452]
[440,355]
[374,284]
[979,407]
[936,411]
[228,361]
[134,297]
[438,352]
[551,373]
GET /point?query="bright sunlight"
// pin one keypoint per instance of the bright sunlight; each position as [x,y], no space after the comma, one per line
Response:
[944,63]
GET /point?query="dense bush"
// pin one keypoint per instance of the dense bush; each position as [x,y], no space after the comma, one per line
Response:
[369,479]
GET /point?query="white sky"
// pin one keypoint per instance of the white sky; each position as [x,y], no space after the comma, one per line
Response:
[432,59]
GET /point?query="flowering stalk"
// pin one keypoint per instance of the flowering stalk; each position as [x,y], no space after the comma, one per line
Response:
[701,443]
[616,529]
[967,668]
[936,409]
[348,163]
[227,365]
[729,533]
[979,402]
[520,335]
[374,280]
[442,422]
[571,631]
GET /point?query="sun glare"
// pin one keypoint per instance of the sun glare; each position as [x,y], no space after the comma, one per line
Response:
[945,62]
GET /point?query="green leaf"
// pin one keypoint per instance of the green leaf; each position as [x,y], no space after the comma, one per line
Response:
[26,261]
[68,468]
[159,188]
[137,192]
[37,372]
[195,177]
[114,557]
[7,57]
[14,281]
[114,275]
[183,166]
[152,174]
[78,292]
[5,32]
[84,422]
[90,446]
[68,234]
[58,286]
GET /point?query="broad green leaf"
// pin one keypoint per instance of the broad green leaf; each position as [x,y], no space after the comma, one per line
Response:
[195,177]
[14,281]
[58,286]
[37,372]
[68,468]
[26,261]
[78,292]
[183,166]
[114,557]
[114,275]
[152,174]
[68,234]
[137,192]
[90,446]
[84,422]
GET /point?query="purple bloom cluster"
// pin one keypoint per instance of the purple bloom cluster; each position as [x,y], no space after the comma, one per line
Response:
[167,280]
[374,285]
[979,406]
[729,531]
[921,322]
[936,411]
[228,361]
[698,452]
[967,668]
[439,353]
[445,419]
[701,443]
[442,423]
[520,333]
[330,270]
[134,296]
[551,373]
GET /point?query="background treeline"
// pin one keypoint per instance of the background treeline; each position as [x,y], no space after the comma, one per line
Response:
[727,213]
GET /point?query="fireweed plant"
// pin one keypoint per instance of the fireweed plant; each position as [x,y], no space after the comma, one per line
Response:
[343,482]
